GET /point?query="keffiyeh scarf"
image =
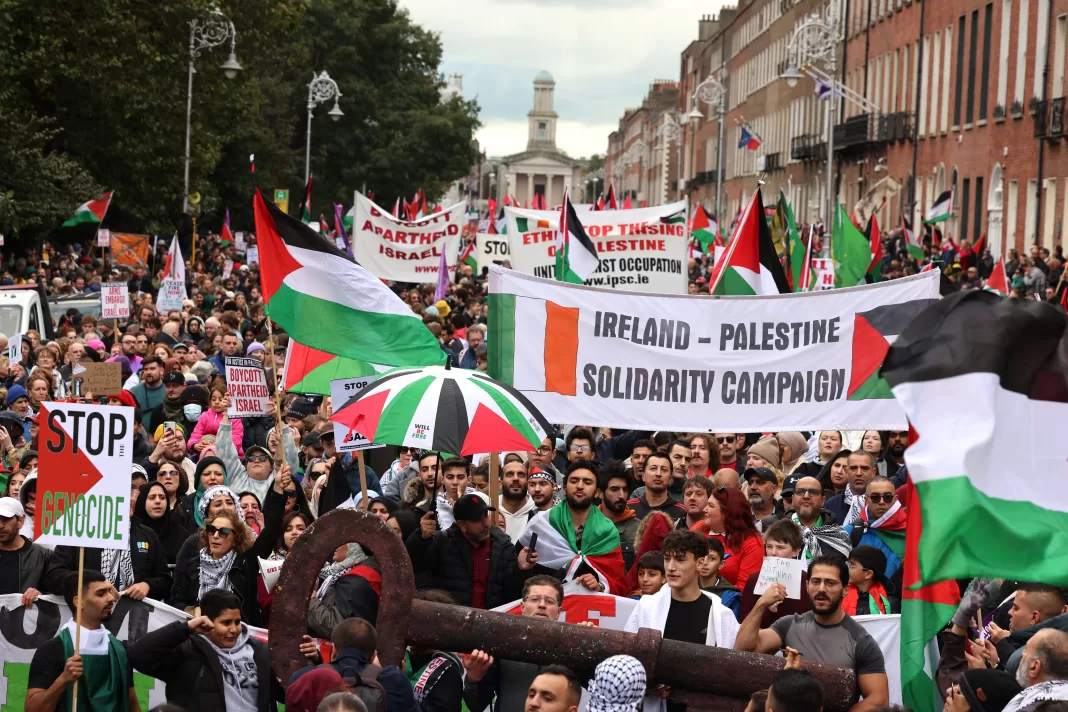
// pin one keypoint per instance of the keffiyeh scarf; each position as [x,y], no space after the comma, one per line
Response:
[213,572]
[334,570]
[816,538]
[856,504]
[117,565]
[618,685]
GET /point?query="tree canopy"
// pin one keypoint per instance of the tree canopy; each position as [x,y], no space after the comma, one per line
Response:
[93,98]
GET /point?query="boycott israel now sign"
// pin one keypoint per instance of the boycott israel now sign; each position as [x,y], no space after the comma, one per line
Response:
[609,358]
[83,482]
[644,250]
[405,251]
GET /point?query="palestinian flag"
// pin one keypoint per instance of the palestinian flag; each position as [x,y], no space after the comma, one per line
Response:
[91,212]
[702,229]
[1000,461]
[750,265]
[557,548]
[467,257]
[325,300]
[310,371]
[600,204]
[998,282]
[627,204]
[612,198]
[226,235]
[174,266]
[873,333]
[925,611]
[576,256]
[942,209]
[875,242]
[912,241]
[890,530]
[850,250]
[305,206]
[340,229]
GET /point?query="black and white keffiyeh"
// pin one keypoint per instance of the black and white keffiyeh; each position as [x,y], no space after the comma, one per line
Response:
[856,504]
[117,565]
[831,536]
[213,572]
[618,685]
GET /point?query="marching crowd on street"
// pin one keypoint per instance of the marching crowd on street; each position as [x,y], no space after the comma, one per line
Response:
[693,514]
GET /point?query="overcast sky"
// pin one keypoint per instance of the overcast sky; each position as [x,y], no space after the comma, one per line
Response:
[603,55]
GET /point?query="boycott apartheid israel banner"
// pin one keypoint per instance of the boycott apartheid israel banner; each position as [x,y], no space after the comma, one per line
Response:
[405,251]
[611,358]
[83,478]
[644,250]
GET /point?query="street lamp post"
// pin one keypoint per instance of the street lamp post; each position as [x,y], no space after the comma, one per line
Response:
[712,92]
[816,40]
[672,131]
[636,152]
[320,90]
[204,35]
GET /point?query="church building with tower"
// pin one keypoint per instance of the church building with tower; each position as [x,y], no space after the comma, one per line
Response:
[542,169]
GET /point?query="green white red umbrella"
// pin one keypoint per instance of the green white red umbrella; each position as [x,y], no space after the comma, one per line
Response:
[444,409]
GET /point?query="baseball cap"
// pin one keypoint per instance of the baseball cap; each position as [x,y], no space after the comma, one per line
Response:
[159,431]
[11,507]
[262,449]
[311,440]
[761,473]
[789,484]
[470,508]
[174,378]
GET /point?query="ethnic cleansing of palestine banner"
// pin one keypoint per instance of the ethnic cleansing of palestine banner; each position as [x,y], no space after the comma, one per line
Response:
[405,251]
[611,358]
[644,249]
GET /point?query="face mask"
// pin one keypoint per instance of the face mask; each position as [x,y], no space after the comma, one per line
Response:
[191,411]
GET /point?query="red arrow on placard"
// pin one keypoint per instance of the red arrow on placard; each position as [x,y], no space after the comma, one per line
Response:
[64,471]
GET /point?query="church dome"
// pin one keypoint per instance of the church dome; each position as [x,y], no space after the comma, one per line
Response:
[543,76]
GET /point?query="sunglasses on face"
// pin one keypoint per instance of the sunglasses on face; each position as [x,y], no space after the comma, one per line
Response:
[223,532]
[810,491]
[723,441]
[259,457]
[884,497]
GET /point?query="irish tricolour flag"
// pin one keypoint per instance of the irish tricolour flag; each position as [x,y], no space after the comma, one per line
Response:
[326,301]
[750,265]
[547,358]
[991,476]
[557,547]
[92,211]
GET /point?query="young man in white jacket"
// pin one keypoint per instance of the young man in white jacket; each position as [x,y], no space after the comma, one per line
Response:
[681,610]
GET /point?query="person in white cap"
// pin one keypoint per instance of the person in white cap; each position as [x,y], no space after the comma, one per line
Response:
[24,567]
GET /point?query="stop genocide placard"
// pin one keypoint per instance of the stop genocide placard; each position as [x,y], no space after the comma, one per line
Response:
[83,476]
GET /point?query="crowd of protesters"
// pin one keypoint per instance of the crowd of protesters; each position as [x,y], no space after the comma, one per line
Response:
[695,514]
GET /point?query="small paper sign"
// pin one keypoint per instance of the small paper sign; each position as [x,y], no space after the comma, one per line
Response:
[103,238]
[114,301]
[14,348]
[246,386]
[100,379]
[252,255]
[228,268]
[271,569]
[171,295]
[239,241]
[778,570]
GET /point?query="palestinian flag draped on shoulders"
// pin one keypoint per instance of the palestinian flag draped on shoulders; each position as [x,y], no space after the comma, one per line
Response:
[987,479]
[750,265]
[557,548]
[326,301]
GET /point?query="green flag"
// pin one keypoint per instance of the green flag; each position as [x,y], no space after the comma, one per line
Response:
[850,251]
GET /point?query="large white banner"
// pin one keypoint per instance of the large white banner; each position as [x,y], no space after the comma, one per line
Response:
[644,250]
[405,251]
[23,630]
[611,358]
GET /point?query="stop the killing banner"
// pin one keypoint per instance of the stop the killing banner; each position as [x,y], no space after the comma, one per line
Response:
[644,250]
[611,358]
[405,251]
[83,482]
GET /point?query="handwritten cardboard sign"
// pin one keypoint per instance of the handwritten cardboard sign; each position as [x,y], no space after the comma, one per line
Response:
[778,570]
[100,379]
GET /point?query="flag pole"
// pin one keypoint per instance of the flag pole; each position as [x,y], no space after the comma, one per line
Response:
[277,401]
[78,624]
[364,504]
[495,482]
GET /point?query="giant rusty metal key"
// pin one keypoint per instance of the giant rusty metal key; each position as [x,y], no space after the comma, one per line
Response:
[701,676]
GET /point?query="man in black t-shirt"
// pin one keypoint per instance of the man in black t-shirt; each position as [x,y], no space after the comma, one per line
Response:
[657,475]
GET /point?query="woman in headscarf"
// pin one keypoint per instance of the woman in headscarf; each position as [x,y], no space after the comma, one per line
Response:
[171,475]
[618,685]
[211,472]
[225,555]
[794,447]
[153,512]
